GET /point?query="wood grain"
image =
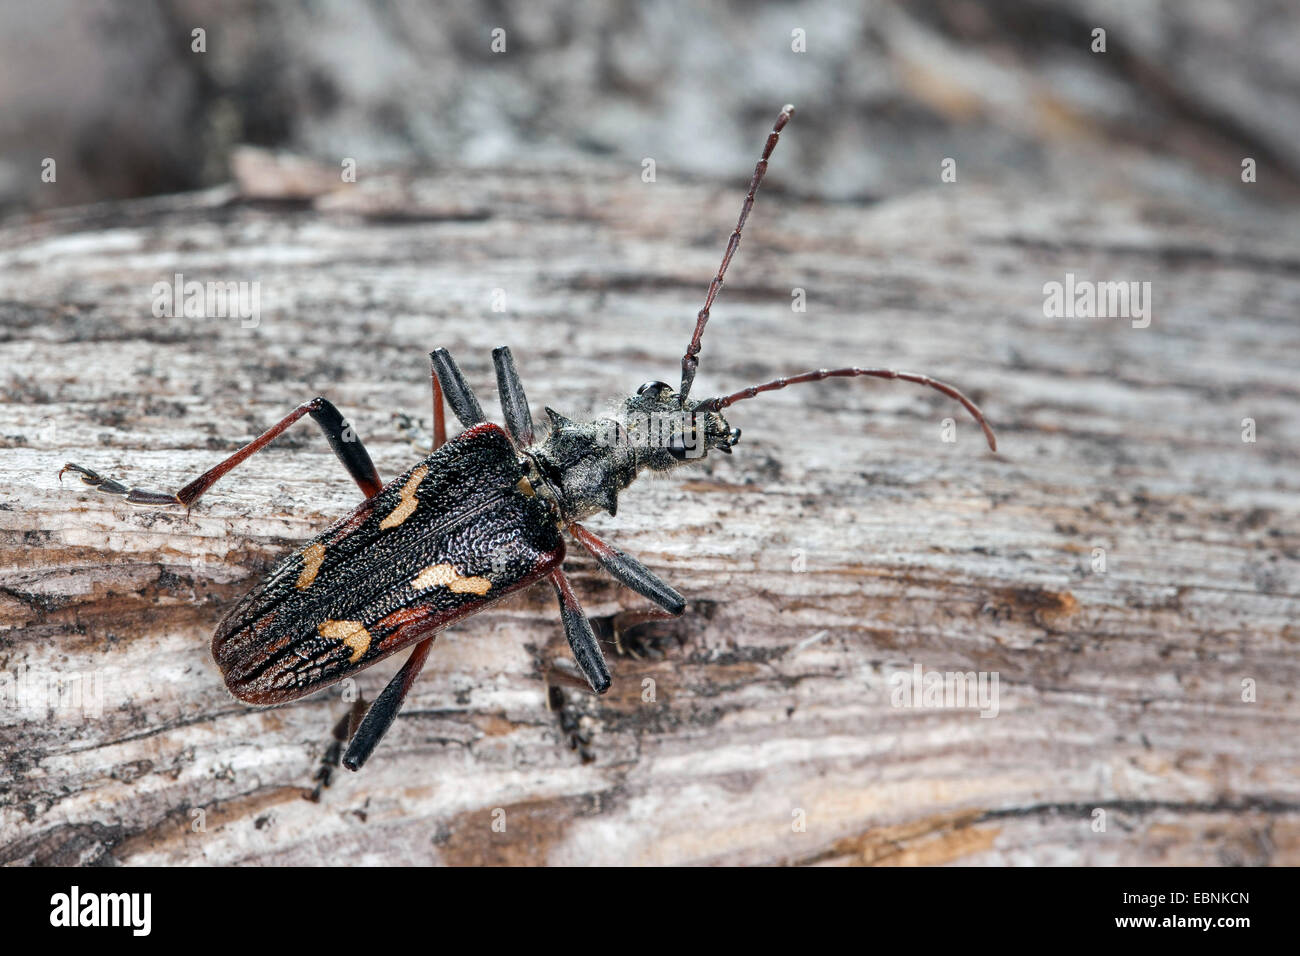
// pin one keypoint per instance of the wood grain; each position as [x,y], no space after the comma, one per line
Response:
[844,543]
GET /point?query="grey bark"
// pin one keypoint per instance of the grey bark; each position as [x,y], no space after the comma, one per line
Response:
[846,542]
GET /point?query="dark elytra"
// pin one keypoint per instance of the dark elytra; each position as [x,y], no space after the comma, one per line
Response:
[471,514]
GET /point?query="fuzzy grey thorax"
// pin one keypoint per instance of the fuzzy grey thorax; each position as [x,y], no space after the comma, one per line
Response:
[581,467]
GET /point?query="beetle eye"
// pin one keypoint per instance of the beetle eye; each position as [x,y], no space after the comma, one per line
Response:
[656,386]
[678,447]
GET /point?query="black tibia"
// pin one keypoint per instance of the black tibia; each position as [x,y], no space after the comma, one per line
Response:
[630,571]
[514,403]
[457,391]
[582,639]
[347,447]
[384,710]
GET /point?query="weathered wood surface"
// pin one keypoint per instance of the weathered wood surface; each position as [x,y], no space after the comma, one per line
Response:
[1120,691]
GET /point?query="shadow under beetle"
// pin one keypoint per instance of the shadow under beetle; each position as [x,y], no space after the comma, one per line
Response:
[478,519]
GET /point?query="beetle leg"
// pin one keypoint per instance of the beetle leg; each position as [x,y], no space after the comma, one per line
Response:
[630,571]
[582,639]
[439,411]
[329,761]
[344,442]
[384,710]
[459,395]
[110,486]
[514,403]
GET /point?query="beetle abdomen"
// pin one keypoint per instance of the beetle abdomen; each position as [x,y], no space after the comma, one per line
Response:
[449,537]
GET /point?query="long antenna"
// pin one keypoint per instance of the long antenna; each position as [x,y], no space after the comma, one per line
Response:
[689,360]
[718,404]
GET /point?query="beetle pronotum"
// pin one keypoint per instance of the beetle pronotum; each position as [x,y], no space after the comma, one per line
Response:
[480,518]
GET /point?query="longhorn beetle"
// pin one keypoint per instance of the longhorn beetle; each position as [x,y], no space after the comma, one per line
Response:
[478,519]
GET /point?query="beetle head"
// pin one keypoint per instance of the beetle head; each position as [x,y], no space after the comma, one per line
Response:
[667,430]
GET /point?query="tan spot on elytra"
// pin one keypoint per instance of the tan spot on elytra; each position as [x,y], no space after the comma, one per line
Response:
[434,575]
[471,585]
[447,576]
[351,633]
[406,507]
[311,562]
[526,486]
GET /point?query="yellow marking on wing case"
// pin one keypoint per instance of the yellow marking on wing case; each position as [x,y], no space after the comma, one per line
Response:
[434,575]
[526,486]
[471,585]
[311,562]
[447,576]
[351,633]
[406,507]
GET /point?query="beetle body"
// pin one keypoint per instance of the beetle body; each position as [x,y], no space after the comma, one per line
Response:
[480,518]
[451,536]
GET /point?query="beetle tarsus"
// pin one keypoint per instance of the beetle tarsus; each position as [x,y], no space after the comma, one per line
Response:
[110,486]
[343,730]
